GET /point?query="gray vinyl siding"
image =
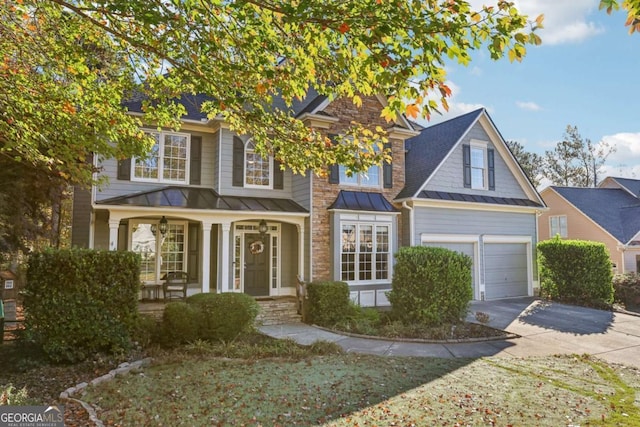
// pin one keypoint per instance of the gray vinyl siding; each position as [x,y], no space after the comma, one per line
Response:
[449,177]
[467,221]
[301,190]
[101,230]
[81,224]
[226,167]
[115,187]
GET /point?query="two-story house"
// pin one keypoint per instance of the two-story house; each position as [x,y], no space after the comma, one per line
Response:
[205,203]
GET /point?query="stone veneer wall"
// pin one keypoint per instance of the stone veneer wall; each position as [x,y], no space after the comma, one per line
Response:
[324,193]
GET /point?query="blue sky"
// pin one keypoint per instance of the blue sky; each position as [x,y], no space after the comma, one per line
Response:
[586,73]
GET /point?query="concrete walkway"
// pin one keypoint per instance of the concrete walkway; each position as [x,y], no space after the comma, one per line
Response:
[545,328]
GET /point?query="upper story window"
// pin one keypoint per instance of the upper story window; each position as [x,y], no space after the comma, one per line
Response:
[370,178]
[257,168]
[558,225]
[168,160]
[479,166]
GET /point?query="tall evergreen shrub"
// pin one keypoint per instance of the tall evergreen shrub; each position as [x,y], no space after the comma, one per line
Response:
[79,302]
[431,286]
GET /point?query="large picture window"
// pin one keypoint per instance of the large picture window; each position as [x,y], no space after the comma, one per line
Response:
[365,252]
[257,168]
[168,160]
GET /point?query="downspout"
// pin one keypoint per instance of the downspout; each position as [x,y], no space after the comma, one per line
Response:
[411,225]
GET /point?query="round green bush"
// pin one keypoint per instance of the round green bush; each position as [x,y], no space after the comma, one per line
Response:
[224,316]
[179,324]
[328,303]
[431,286]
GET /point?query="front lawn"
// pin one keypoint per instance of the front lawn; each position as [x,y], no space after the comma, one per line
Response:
[358,390]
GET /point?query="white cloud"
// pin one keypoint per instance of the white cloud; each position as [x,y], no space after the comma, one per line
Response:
[565,21]
[455,108]
[530,106]
[625,161]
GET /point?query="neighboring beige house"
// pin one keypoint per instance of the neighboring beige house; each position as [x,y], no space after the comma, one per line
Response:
[609,214]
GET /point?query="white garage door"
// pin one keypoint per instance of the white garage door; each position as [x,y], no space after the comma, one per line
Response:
[505,273]
[465,248]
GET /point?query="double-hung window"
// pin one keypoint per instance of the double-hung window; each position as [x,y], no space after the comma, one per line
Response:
[365,252]
[147,242]
[257,168]
[370,178]
[478,167]
[558,225]
[168,160]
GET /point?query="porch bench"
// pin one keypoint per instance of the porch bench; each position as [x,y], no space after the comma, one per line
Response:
[175,285]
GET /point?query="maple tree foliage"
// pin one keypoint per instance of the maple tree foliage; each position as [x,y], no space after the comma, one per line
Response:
[633,12]
[66,66]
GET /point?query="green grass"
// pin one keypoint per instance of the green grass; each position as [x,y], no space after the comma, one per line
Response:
[359,390]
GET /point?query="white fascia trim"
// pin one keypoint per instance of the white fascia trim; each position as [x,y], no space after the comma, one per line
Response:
[318,120]
[369,213]
[400,118]
[397,132]
[497,238]
[452,204]
[449,238]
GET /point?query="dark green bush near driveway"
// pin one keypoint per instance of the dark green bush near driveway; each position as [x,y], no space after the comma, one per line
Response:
[627,289]
[575,271]
[80,302]
[327,303]
[431,286]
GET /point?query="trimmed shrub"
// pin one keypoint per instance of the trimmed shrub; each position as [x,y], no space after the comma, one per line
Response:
[224,316]
[627,289]
[180,322]
[576,271]
[431,286]
[328,303]
[80,302]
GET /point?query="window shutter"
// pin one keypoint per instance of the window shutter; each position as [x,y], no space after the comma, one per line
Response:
[278,176]
[491,170]
[334,170]
[124,169]
[387,170]
[238,162]
[466,165]
[195,160]
[193,264]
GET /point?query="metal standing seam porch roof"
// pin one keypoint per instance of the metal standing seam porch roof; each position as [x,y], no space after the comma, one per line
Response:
[202,198]
[362,201]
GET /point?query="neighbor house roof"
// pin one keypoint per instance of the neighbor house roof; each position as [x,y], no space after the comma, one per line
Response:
[362,201]
[633,185]
[202,198]
[428,149]
[614,209]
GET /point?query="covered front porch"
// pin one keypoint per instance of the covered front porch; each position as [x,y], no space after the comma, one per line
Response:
[224,244]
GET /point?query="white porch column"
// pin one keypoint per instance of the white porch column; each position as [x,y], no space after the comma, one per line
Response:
[301,248]
[206,256]
[114,224]
[224,259]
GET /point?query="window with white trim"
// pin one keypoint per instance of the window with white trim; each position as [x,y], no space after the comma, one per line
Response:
[365,252]
[370,178]
[558,225]
[478,167]
[257,169]
[168,160]
[147,241]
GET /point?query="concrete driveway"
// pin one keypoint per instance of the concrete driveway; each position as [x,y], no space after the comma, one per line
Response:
[545,328]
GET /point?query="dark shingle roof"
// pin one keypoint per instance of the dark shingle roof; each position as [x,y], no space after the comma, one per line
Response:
[475,198]
[633,185]
[193,104]
[427,150]
[362,201]
[202,198]
[613,209]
